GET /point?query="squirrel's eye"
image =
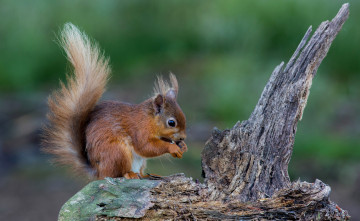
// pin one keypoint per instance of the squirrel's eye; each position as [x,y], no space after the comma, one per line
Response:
[171,123]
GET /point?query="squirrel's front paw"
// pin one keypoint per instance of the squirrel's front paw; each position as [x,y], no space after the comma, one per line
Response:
[175,151]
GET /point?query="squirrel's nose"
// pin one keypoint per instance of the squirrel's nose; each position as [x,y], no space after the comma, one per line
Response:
[179,136]
[182,136]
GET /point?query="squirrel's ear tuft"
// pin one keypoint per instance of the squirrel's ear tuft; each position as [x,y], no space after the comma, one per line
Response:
[158,103]
[171,94]
[174,83]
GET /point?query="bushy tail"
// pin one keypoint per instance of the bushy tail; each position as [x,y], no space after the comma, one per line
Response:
[69,107]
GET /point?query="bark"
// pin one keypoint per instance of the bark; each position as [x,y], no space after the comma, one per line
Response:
[245,168]
[250,161]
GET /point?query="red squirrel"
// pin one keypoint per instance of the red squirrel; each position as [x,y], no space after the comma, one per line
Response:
[110,138]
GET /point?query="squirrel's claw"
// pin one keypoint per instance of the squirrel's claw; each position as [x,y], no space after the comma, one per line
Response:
[132,175]
[177,155]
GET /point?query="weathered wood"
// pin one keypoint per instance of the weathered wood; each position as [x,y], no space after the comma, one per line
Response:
[250,161]
[246,167]
[179,198]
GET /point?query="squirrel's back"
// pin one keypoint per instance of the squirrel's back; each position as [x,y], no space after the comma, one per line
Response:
[70,106]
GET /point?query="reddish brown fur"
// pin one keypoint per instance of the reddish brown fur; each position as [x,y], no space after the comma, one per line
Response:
[112,122]
[70,105]
[111,137]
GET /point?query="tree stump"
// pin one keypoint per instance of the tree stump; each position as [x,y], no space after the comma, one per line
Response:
[245,168]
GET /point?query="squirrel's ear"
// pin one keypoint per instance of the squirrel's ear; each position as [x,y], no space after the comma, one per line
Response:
[158,103]
[171,94]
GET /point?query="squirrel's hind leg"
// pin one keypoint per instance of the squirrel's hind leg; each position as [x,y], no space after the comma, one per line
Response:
[110,160]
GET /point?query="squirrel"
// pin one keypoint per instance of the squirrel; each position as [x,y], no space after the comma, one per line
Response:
[110,138]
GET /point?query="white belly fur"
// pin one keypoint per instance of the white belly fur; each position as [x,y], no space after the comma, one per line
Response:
[137,162]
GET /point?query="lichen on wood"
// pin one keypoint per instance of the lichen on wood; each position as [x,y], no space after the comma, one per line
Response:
[110,197]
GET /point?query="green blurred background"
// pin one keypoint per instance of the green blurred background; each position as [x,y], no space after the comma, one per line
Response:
[222,52]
